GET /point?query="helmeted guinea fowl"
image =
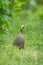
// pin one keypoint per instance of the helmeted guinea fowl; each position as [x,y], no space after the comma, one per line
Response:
[20,40]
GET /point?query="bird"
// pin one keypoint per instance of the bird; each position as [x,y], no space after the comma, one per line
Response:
[20,39]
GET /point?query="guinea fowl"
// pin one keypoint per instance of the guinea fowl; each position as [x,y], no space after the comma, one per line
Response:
[19,41]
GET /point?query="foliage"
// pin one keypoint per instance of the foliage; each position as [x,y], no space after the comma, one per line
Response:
[6,14]
[12,17]
[39,1]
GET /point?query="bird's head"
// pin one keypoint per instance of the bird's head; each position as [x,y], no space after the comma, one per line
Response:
[22,27]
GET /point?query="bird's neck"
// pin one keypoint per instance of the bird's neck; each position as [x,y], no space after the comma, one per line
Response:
[21,31]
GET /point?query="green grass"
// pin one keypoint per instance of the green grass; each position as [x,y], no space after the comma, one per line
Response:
[32,54]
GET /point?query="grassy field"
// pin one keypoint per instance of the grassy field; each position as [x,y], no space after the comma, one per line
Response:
[32,54]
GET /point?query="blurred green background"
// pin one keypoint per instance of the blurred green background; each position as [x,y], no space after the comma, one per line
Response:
[14,13]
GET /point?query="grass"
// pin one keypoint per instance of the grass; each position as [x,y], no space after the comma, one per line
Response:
[32,54]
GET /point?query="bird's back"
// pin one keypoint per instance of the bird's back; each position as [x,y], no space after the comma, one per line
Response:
[19,41]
